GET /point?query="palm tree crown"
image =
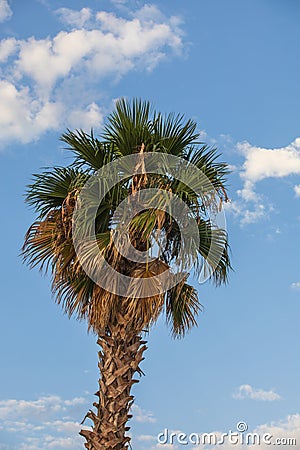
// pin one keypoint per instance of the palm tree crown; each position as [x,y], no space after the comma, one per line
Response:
[53,194]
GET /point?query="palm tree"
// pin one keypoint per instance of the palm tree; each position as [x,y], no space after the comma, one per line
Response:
[120,321]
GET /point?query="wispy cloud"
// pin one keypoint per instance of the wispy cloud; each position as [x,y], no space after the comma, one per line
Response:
[7,48]
[245,391]
[248,213]
[119,2]
[77,19]
[297,190]
[48,422]
[141,415]
[146,438]
[43,79]
[296,285]
[44,406]
[5,11]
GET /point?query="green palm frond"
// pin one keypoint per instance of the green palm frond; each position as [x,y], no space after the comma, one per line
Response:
[182,308]
[206,159]
[129,126]
[172,134]
[50,188]
[214,250]
[88,150]
[134,123]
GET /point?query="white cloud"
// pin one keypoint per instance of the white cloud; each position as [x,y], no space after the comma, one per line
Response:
[247,215]
[297,190]
[246,391]
[288,428]
[5,11]
[24,117]
[165,446]
[51,442]
[42,78]
[47,422]
[146,438]
[89,117]
[64,426]
[141,415]
[7,48]
[262,163]
[149,13]
[47,60]
[295,285]
[44,406]
[119,2]
[74,18]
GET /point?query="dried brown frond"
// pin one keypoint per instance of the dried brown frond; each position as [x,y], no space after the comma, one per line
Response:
[145,300]
[140,180]
[67,211]
[103,309]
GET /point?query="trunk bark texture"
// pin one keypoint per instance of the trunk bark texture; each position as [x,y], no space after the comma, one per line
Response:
[121,353]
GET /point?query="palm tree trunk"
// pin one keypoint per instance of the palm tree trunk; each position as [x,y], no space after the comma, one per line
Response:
[121,353]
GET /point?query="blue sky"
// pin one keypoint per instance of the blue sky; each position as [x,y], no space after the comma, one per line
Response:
[233,67]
